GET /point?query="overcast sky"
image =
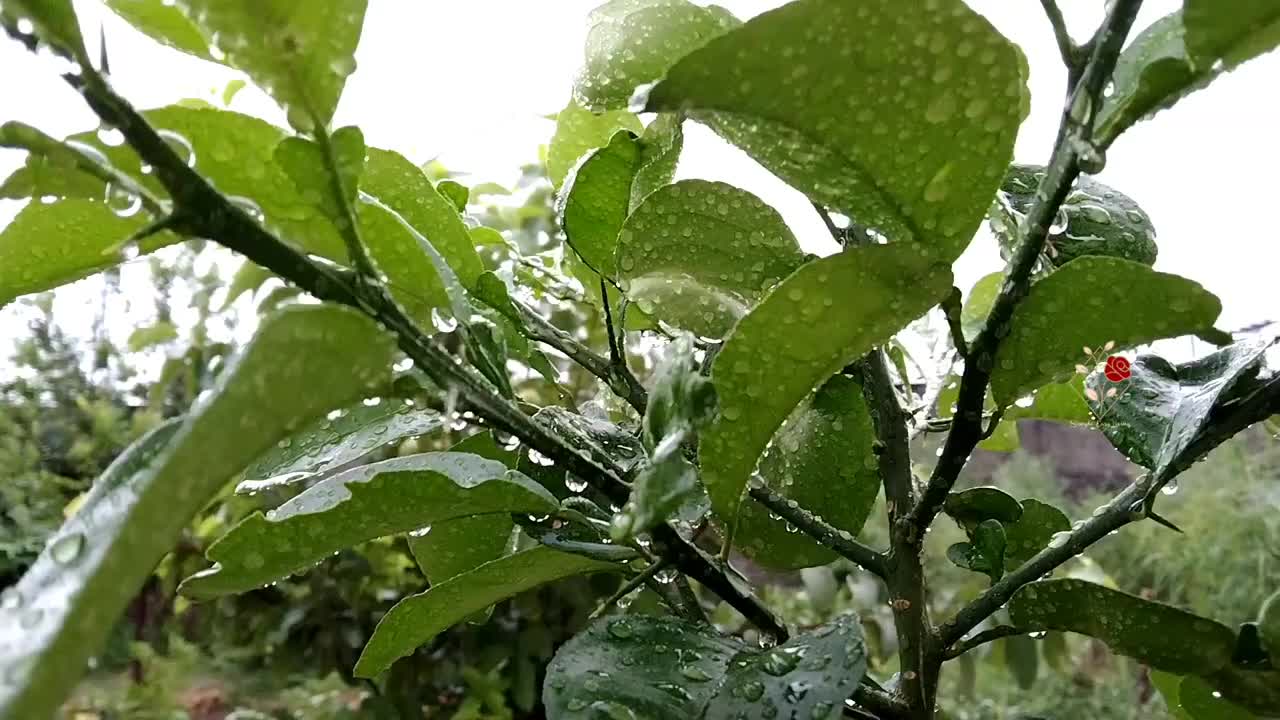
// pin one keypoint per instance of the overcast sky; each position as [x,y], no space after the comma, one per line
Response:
[470,81]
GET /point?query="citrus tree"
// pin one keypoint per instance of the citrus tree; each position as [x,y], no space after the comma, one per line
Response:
[783,404]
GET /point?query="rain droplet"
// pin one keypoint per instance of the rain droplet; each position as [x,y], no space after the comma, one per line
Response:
[66,549]
[1171,488]
[443,321]
[180,145]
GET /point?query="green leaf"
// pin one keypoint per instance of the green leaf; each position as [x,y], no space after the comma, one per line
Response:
[824,316]
[972,506]
[809,676]
[301,54]
[699,255]
[822,459]
[984,553]
[456,193]
[631,43]
[595,199]
[899,114]
[367,502]
[305,163]
[1199,700]
[302,361]
[1158,635]
[682,398]
[343,436]
[1064,402]
[973,315]
[1161,408]
[55,22]
[1269,626]
[660,490]
[417,619]
[165,23]
[593,436]
[248,278]
[451,547]
[1032,532]
[660,147]
[1255,690]
[1183,52]
[1087,303]
[401,186]
[1022,656]
[1168,684]
[50,245]
[152,335]
[653,667]
[578,132]
[1094,219]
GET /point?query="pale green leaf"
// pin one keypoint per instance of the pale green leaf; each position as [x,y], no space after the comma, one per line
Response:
[300,53]
[54,21]
[455,192]
[899,113]
[973,315]
[578,132]
[660,147]
[165,23]
[1032,531]
[631,43]
[152,335]
[595,199]
[248,278]
[700,254]
[418,618]
[302,361]
[392,496]
[1155,634]
[824,316]
[305,164]
[822,459]
[1087,303]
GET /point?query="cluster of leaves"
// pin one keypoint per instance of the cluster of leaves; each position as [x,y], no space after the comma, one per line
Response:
[775,412]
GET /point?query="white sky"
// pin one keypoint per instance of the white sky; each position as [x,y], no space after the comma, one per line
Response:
[470,82]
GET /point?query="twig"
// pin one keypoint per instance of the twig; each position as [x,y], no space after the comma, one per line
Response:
[951,308]
[815,527]
[884,705]
[630,585]
[349,224]
[1072,54]
[615,353]
[1073,137]
[982,638]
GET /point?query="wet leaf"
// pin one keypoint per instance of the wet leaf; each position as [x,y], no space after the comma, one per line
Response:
[343,436]
[984,553]
[631,43]
[595,199]
[449,548]
[821,318]
[1164,407]
[54,21]
[660,147]
[972,506]
[1094,219]
[899,114]
[699,255]
[1158,635]
[50,245]
[1032,531]
[822,459]
[809,676]
[248,278]
[417,619]
[305,164]
[1255,690]
[1088,302]
[578,132]
[303,360]
[165,23]
[388,497]
[973,315]
[301,54]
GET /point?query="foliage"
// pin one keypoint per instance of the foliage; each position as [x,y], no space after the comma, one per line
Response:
[401,289]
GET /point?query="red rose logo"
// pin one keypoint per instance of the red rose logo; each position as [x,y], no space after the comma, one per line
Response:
[1117,369]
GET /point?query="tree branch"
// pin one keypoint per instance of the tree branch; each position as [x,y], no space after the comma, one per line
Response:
[1072,54]
[951,308]
[982,638]
[1074,137]
[815,527]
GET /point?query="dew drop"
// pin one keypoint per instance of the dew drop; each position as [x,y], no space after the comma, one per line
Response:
[180,145]
[66,549]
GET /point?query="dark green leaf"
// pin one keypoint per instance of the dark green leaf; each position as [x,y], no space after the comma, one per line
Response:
[651,667]
[301,54]
[699,255]
[1022,656]
[821,318]
[631,43]
[1162,408]
[1094,219]
[1199,700]
[418,618]
[165,23]
[49,245]
[984,553]
[302,361]
[1269,626]
[972,506]
[1032,532]
[595,199]
[451,547]
[1087,303]
[343,436]
[822,459]
[367,502]
[578,132]
[899,114]
[1158,635]
[809,676]
[1257,691]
